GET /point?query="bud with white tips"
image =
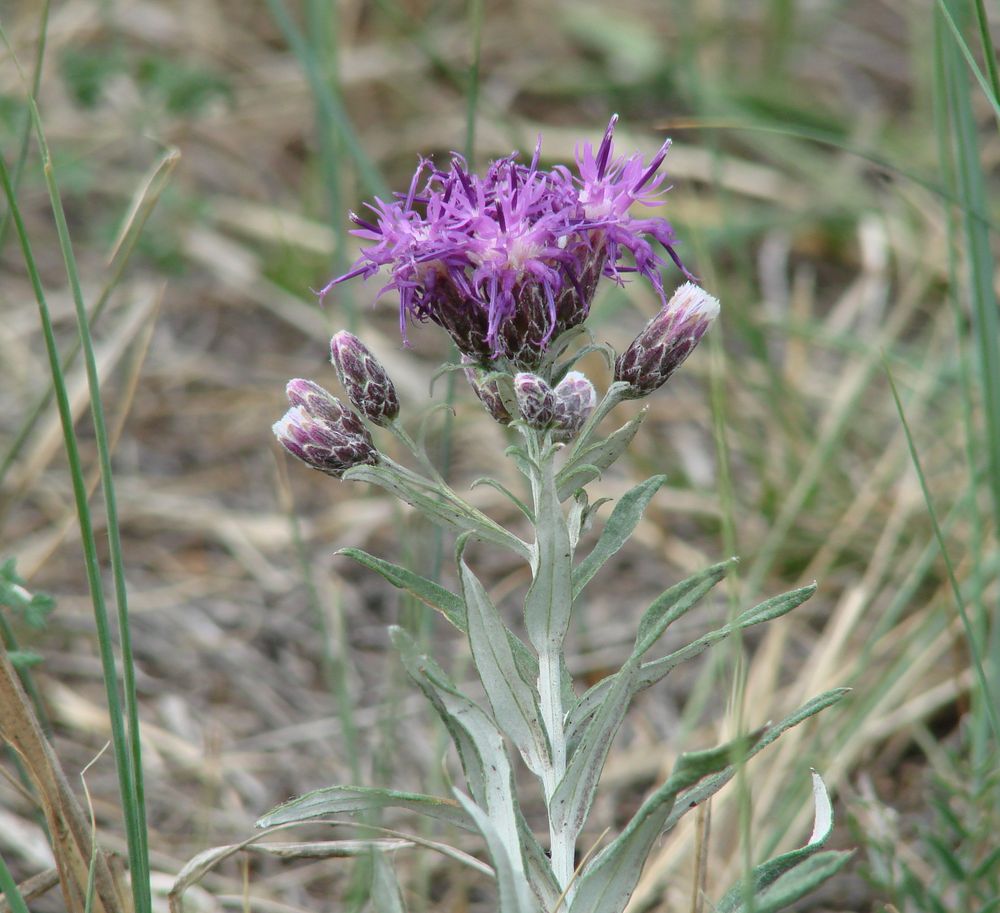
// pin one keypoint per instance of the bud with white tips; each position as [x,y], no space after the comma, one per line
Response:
[575,400]
[536,400]
[321,432]
[666,340]
[363,377]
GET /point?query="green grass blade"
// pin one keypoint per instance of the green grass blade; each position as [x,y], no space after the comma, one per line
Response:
[333,109]
[989,91]
[472,95]
[135,223]
[36,81]
[970,634]
[126,748]
[8,889]
[989,51]
[986,324]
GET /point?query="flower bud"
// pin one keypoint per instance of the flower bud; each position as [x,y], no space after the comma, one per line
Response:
[536,400]
[363,377]
[323,434]
[666,340]
[575,400]
[487,391]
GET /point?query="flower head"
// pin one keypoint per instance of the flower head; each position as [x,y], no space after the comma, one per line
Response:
[318,430]
[487,390]
[536,400]
[506,261]
[363,377]
[575,400]
[666,340]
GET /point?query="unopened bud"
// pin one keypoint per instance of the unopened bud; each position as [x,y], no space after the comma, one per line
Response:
[666,340]
[322,433]
[364,379]
[536,400]
[488,391]
[575,400]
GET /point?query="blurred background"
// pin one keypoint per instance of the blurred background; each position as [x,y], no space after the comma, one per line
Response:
[832,171]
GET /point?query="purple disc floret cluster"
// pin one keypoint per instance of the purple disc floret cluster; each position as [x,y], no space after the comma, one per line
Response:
[508,260]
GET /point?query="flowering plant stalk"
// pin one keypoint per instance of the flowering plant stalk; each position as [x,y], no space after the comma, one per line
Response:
[508,264]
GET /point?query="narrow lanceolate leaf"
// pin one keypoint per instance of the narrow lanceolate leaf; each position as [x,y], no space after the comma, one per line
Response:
[427,591]
[675,603]
[512,886]
[608,881]
[654,671]
[340,800]
[593,459]
[766,874]
[437,507]
[713,784]
[800,881]
[386,895]
[513,699]
[549,600]
[573,797]
[477,738]
[619,527]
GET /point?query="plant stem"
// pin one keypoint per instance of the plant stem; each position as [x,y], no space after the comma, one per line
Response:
[550,663]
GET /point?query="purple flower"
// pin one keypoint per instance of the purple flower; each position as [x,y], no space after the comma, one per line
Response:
[323,434]
[666,340]
[506,261]
[363,377]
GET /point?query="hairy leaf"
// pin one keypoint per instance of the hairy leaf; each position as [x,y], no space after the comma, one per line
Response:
[593,459]
[549,600]
[512,886]
[427,591]
[339,800]
[619,527]
[386,895]
[514,700]
[608,881]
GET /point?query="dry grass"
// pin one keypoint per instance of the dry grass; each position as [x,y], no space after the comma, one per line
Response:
[823,261]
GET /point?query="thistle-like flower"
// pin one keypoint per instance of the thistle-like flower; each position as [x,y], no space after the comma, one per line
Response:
[363,377]
[666,340]
[318,430]
[536,400]
[508,261]
[575,400]
[488,391]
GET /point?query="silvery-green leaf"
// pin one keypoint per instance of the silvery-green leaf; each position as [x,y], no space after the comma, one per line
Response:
[477,738]
[549,600]
[799,881]
[512,886]
[764,875]
[675,603]
[776,606]
[713,784]
[427,591]
[593,459]
[386,896]
[514,700]
[507,493]
[574,795]
[617,530]
[445,511]
[340,800]
[608,881]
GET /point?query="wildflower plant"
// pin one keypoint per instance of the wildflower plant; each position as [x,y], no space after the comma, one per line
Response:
[507,263]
